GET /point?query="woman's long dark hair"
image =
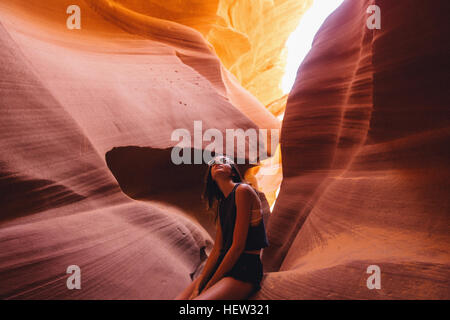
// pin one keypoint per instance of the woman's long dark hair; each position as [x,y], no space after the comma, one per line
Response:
[212,193]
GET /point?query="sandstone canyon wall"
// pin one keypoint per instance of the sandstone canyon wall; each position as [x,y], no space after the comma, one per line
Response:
[79,111]
[366,160]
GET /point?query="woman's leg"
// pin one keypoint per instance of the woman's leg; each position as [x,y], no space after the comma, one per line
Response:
[186,292]
[227,288]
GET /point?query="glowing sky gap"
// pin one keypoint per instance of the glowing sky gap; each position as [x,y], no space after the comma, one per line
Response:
[299,42]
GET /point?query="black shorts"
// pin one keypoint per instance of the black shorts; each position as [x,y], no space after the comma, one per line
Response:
[247,268]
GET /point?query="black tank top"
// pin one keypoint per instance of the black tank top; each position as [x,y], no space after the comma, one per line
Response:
[256,236]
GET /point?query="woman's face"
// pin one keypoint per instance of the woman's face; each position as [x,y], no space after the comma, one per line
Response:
[223,170]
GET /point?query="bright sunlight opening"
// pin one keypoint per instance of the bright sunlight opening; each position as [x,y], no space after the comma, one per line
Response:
[300,41]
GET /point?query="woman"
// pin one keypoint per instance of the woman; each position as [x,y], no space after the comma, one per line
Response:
[234,269]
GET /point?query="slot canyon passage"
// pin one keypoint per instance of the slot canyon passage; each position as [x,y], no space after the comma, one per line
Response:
[86,119]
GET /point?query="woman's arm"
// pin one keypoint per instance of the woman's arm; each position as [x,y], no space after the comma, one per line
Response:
[244,196]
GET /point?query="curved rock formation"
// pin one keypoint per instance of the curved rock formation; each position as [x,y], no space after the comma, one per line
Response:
[68,97]
[365,160]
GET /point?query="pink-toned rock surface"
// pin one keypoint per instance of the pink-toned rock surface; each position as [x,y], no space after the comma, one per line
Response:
[366,160]
[75,102]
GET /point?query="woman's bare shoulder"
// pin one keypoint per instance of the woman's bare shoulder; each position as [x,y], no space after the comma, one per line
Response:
[248,190]
[245,187]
